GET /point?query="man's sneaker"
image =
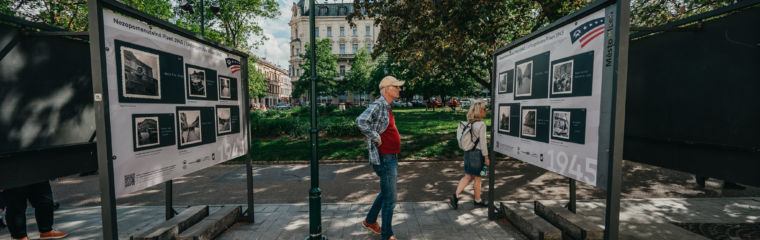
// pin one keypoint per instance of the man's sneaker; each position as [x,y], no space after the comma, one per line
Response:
[454,201]
[375,228]
[482,203]
[23,238]
[393,238]
[53,234]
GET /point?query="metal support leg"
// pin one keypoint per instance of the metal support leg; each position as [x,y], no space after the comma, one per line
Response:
[571,204]
[169,201]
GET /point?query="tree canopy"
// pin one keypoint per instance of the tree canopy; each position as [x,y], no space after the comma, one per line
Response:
[452,40]
[326,71]
[234,26]
[358,79]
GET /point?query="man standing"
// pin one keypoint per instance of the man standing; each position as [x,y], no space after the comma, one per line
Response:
[384,144]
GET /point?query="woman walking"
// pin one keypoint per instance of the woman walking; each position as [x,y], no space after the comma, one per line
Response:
[475,158]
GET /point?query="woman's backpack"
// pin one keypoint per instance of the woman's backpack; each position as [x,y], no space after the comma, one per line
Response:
[465,136]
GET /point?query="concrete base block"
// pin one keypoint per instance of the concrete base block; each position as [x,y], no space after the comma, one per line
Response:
[529,223]
[572,224]
[213,225]
[171,228]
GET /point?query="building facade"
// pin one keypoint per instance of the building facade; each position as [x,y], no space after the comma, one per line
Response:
[330,22]
[279,86]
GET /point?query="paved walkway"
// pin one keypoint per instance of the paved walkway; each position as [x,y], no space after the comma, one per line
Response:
[421,220]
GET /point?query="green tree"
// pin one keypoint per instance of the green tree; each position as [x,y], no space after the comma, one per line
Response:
[238,19]
[358,79]
[455,38]
[72,14]
[257,83]
[326,71]
[653,13]
[236,23]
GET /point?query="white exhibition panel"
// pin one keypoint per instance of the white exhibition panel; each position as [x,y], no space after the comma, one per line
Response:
[175,105]
[548,99]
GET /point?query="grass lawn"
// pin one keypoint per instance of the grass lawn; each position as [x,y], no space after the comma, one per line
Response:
[424,135]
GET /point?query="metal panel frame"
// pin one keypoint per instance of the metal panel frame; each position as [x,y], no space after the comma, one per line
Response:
[613,112]
[100,95]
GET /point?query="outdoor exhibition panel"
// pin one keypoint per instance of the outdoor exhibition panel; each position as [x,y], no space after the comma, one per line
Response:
[693,104]
[46,110]
[175,103]
[554,96]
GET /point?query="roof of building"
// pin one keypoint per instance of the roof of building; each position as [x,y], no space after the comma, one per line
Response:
[268,64]
[326,9]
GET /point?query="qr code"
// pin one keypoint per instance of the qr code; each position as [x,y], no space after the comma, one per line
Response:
[129,180]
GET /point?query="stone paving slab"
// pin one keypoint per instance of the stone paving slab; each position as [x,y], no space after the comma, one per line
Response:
[413,220]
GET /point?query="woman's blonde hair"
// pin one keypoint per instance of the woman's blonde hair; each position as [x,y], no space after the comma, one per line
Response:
[473,115]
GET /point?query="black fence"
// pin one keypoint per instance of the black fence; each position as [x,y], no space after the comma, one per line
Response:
[693,100]
[47,119]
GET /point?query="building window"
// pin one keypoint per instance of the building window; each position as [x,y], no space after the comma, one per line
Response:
[316,31]
[353,30]
[329,31]
[355,48]
[298,52]
[342,48]
[296,32]
[342,70]
[323,11]
[369,47]
[366,31]
[342,31]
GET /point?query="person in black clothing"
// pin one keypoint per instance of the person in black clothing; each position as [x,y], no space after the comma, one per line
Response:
[40,195]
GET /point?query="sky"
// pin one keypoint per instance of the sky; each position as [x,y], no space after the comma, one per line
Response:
[277,48]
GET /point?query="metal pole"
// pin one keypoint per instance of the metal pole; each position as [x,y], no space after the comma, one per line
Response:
[169,204]
[203,32]
[100,96]
[249,159]
[492,168]
[571,204]
[621,25]
[315,198]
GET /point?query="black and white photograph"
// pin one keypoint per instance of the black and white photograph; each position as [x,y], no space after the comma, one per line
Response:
[224,87]
[503,83]
[196,82]
[504,112]
[190,127]
[561,124]
[140,74]
[529,122]
[146,132]
[524,79]
[223,120]
[562,77]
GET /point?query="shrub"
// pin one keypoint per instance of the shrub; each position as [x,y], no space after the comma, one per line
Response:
[351,112]
[267,127]
[345,128]
[327,110]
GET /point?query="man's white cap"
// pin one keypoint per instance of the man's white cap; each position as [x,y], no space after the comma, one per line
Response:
[390,81]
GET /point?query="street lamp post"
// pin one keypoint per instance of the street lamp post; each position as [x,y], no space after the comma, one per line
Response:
[188,6]
[315,194]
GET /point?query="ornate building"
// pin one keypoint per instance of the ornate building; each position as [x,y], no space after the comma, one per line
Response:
[279,86]
[330,22]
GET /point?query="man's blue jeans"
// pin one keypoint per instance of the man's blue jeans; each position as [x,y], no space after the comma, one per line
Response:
[386,200]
